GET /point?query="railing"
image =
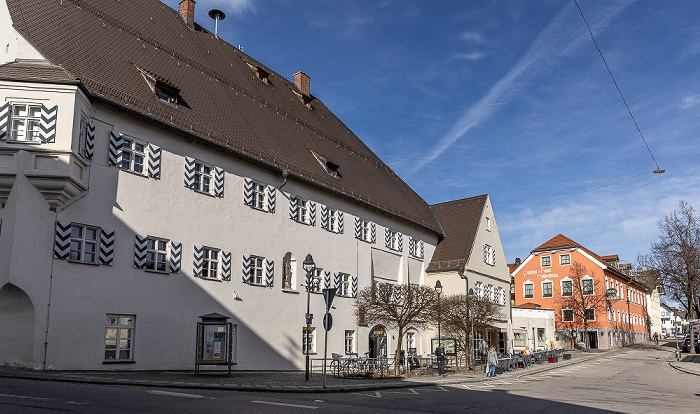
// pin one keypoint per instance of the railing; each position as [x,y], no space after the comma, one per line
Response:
[354,366]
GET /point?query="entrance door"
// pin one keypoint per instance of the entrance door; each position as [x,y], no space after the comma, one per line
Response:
[593,339]
[377,342]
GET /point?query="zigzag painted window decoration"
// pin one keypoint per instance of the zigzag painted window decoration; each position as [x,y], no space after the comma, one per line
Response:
[416,248]
[211,263]
[83,244]
[157,254]
[302,210]
[30,122]
[258,195]
[365,231]
[258,271]
[133,155]
[89,150]
[204,178]
[332,220]
[393,240]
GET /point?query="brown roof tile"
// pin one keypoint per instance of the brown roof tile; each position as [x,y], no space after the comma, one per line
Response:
[460,221]
[221,100]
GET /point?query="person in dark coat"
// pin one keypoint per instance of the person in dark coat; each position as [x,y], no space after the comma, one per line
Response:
[440,356]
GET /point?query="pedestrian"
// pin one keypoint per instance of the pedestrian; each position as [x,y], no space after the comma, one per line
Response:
[492,361]
[440,356]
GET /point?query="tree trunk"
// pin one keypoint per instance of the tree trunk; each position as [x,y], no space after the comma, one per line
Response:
[397,357]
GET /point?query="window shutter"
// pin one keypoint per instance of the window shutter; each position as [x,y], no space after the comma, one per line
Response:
[412,246]
[106,247]
[271,194]
[400,241]
[247,191]
[175,256]
[246,269]
[140,252]
[354,286]
[115,148]
[422,249]
[154,155]
[336,280]
[326,279]
[225,265]
[47,129]
[374,233]
[294,208]
[358,228]
[89,140]
[341,226]
[269,272]
[4,119]
[189,172]
[324,217]
[387,238]
[198,261]
[312,213]
[398,296]
[219,182]
[61,246]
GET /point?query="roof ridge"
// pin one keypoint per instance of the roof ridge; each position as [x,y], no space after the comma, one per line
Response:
[460,200]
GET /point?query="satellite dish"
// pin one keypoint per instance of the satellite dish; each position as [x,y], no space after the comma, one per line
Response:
[216,15]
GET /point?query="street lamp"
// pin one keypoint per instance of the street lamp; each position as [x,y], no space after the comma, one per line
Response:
[309,267]
[438,289]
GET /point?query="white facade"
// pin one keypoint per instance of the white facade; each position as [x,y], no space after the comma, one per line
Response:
[534,329]
[654,310]
[64,313]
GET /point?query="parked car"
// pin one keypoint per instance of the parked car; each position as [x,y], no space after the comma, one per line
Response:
[685,347]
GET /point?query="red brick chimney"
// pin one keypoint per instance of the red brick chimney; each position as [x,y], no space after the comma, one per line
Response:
[303,83]
[187,11]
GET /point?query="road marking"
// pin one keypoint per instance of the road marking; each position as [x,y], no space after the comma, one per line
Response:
[177,394]
[26,397]
[439,389]
[311,407]
[412,391]
[376,394]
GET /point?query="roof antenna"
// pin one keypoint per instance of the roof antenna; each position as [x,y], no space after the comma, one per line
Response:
[216,15]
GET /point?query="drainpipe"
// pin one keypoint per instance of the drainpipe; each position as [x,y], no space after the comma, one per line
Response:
[48,306]
[285,175]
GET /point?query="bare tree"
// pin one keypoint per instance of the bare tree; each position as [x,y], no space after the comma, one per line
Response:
[587,299]
[458,312]
[396,306]
[676,256]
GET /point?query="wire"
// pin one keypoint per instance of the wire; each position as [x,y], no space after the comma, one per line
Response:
[574,194]
[616,86]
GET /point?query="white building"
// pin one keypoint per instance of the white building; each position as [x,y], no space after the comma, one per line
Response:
[533,327]
[151,173]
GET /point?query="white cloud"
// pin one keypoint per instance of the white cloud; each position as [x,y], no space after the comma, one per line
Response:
[469,56]
[474,38]
[689,101]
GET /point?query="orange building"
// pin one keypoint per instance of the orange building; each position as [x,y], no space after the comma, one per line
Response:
[545,278]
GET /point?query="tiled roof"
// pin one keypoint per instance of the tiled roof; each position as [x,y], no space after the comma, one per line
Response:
[562,242]
[221,100]
[34,71]
[460,221]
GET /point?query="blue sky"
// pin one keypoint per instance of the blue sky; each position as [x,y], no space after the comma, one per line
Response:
[508,98]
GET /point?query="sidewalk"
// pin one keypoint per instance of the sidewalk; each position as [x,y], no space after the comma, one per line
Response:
[276,381]
[689,363]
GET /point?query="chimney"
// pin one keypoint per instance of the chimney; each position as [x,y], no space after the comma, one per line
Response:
[517,261]
[303,83]
[187,11]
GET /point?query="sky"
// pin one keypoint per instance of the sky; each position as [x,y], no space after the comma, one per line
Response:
[510,98]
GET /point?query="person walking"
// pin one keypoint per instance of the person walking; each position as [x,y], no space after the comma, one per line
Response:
[492,361]
[440,356]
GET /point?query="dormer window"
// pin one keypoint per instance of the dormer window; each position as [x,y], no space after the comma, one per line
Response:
[330,167]
[165,92]
[260,73]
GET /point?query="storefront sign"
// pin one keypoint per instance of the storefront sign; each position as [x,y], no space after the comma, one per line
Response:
[541,273]
[611,292]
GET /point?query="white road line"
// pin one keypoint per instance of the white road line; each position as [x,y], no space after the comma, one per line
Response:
[376,394]
[310,407]
[439,389]
[412,391]
[177,394]
[26,397]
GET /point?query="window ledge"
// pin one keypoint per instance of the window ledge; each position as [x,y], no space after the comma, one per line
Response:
[81,262]
[295,292]
[116,361]
[159,272]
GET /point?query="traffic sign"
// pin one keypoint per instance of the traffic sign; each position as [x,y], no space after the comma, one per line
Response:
[327,321]
[309,318]
[328,295]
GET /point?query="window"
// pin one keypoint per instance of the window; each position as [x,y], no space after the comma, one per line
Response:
[258,195]
[529,290]
[489,255]
[587,286]
[119,337]
[308,341]
[567,288]
[540,336]
[156,254]
[333,224]
[202,177]
[546,261]
[316,279]
[567,315]
[344,287]
[414,247]
[392,239]
[287,264]
[411,341]
[518,339]
[364,230]
[565,259]
[26,122]
[609,317]
[133,155]
[303,211]
[210,263]
[349,342]
[589,314]
[83,243]
[257,270]
[488,223]
[547,289]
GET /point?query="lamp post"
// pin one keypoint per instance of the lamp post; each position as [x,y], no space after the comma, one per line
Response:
[469,292]
[309,267]
[629,317]
[438,289]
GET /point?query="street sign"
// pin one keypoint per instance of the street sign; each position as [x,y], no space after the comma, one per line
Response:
[328,296]
[611,292]
[327,321]
[309,318]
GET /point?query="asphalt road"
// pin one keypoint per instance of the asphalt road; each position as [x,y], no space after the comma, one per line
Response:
[631,381]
